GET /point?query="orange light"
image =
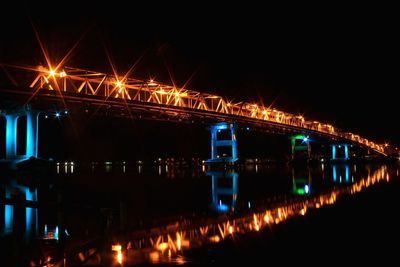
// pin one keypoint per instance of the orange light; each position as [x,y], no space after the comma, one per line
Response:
[152,83]
[178,241]
[163,246]
[118,249]
[119,84]
[161,91]
[52,73]
[119,257]
[303,211]
[154,256]
[215,238]
[266,218]
[63,74]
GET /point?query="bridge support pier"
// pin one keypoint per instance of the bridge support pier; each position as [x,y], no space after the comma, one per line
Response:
[218,191]
[32,133]
[230,143]
[11,135]
[300,142]
[346,152]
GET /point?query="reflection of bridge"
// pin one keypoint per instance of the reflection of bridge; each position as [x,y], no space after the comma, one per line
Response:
[224,190]
[55,90]
[301,181]
[20,205]
[168,243]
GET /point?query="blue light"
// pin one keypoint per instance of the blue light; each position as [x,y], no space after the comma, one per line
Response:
[11,136]
[66,112]
[220,126]
[346,152]
[31,134]
[45,230]
[56,233]
[30,195]
[248,128]
[231,142]
[46,116]
[305,139]
[333,152]
[57,114]
[334,173]
[222,208]
[306,189]
[9,212]
[30,213]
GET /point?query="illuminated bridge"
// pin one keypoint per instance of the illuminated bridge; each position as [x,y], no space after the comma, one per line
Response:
[40,89]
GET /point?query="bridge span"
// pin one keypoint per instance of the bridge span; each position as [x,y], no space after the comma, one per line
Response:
[34,90]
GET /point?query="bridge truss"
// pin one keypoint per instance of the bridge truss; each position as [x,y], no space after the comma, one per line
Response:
[85,83]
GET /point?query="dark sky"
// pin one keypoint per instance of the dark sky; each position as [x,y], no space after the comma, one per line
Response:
[333,64]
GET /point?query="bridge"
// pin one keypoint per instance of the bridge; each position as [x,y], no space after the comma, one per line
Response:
[35,90]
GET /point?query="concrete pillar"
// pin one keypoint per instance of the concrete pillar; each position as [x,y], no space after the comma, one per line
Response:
[303,146]
[11,136]
[213,143]
[346,152]
[333,151]
[234,143]
[32,133]
[231,142]
[293,142]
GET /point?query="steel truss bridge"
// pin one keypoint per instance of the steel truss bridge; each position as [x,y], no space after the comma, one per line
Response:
[136,98]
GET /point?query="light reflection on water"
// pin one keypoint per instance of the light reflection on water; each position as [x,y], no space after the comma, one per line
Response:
[168,246]
[238,211]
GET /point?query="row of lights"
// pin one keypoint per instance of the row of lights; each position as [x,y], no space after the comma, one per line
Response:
[118,83]
[57,114]
[151,82]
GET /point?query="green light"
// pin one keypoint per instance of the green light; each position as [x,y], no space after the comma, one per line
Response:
[300,191]
[299,136]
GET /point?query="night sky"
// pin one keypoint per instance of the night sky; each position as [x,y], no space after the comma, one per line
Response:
[333,64]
